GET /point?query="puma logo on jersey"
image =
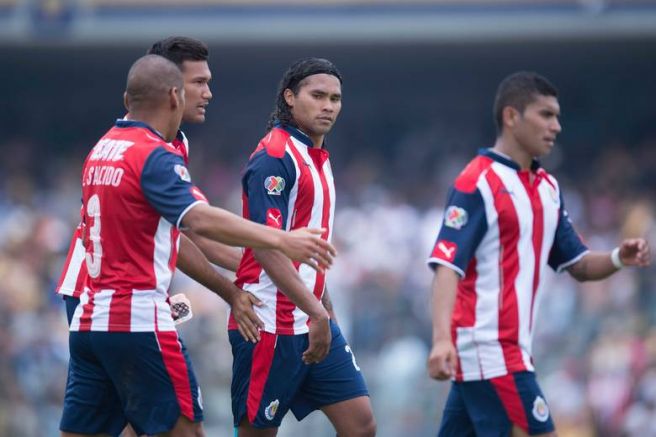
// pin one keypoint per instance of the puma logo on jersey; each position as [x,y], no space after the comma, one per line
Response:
[445,250]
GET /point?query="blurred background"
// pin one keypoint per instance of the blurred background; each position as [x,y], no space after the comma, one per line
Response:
[420,77]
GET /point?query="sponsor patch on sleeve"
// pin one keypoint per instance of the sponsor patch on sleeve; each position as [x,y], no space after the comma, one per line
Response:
[274,185]
[445,250]
[455,217]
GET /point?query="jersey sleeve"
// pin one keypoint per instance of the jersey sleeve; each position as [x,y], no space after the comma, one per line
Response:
[167,185]
[268,182]
[462,230]
[567,247]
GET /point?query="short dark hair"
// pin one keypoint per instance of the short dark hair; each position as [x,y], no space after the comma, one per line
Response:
[518,91]
[292,79]
[178,49]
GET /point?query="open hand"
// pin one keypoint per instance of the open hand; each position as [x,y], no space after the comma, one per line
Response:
[635,252]
[306,246]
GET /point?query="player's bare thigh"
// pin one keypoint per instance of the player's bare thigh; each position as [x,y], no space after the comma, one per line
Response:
[518,432]
[353,417]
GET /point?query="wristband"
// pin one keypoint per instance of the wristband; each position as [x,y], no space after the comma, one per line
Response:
[615,258]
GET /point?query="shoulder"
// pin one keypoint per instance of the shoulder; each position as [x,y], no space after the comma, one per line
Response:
[468,178]
[274,143]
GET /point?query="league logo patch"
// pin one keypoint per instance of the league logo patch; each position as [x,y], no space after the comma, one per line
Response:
[445,250]
[270,411]
[455,217]
[182,171]
[274,185]
[540,409]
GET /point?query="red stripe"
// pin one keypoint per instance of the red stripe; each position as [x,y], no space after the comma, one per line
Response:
[538,231]
[262,359]
[120,311]
[464,311]
[176,367]
[509,269]
[302,215]
[173,257]
[507,391]
[320,156]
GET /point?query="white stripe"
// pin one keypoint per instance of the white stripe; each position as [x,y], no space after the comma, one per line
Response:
[186,210]
[75,321]
[307,273]
[67,286]
[526,255]
[466,346]
[433,261]
[266,291]
[487,289]
[102,301]
[162,255]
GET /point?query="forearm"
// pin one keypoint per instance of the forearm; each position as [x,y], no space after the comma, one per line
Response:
[220,225]
[194,264]
[592,267]
[282,272]
[328,305]
[217,253]
[444,289]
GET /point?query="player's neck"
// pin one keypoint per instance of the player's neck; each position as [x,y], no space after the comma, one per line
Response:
[162,125]
[511,149]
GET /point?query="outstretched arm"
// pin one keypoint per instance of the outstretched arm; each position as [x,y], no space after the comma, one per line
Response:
[599,265]
[303,245]
[217,253]
[193,263]
[442,358]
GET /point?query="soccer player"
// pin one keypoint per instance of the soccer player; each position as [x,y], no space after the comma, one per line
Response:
[127,363]
[191,56]
[302,361]
[505,222]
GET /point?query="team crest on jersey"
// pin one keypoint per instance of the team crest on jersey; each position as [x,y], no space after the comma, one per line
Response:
[182,171]
[540,409]
[270,411]
[455,217]
[274,185]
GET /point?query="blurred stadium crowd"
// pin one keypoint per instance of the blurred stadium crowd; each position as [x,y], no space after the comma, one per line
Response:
[395,154]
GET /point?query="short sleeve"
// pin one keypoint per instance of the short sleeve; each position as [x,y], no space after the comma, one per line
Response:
[462,230]
[268,182]
[567,247]
[167,185]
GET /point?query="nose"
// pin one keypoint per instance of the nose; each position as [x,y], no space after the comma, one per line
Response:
[556,127]
[207,93]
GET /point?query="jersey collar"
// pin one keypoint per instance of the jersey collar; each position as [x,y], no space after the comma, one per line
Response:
[123,123]
[296,133]
[507,160]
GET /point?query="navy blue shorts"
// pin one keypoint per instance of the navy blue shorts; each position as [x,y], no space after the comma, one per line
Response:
[269,378]
[491,407]
[144,378]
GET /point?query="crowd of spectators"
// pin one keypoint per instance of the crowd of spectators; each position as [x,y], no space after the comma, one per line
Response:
[595,345]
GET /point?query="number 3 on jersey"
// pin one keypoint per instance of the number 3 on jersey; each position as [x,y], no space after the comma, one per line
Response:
[94,258]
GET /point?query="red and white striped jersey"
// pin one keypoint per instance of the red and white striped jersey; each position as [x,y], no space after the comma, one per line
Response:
[135,191]
[287,184]
[500,231]
[74,271]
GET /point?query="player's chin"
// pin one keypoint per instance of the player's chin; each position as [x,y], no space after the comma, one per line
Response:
[194,118]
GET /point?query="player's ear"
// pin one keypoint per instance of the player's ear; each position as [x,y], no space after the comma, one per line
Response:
[175,98]
[289,97]
[126,101]
[510,116]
